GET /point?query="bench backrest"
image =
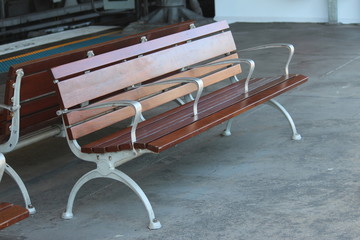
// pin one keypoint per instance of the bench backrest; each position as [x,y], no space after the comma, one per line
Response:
[37,93]
[113,73]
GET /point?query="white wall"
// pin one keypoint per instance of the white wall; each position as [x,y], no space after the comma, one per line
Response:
[349,11]
[285,11]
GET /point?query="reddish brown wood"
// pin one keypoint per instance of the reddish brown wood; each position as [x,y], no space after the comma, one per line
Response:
[11,214]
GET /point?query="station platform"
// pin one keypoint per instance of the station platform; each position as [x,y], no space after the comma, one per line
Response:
[256,184]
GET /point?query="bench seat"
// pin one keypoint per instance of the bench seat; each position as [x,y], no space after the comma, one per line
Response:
[11,214]
[179,124]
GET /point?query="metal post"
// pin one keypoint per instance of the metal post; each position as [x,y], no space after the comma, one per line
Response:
[2,9]
[333,11]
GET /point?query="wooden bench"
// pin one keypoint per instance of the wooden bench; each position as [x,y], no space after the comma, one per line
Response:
[29,111]
[162,70]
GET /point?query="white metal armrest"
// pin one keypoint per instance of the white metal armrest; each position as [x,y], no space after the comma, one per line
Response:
[290,47]
[122,103]
[250,62]
[197,81]
[15,109]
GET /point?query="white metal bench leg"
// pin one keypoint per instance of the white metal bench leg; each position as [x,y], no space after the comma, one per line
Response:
[11,172]
[277,105]
[2,165]
[227,131]
[116,175]
[68,214]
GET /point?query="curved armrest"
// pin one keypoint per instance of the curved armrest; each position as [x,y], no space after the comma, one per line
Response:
[13,140]
[250,62]
[122,103]
[197,81]
[290,47]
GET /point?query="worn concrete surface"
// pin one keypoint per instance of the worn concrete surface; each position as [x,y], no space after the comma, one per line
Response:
[254,185]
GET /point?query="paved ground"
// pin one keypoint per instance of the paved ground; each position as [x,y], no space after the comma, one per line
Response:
[255,184]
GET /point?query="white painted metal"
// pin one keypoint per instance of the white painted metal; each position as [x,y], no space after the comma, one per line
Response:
[106,168]
[2,165]
[250,62]
[42,134]
[290,47]
[277,105]
[227,131]
[197,81]
[11,172]
[10,144]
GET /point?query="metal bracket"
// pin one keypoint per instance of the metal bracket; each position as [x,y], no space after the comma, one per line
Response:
[143,39]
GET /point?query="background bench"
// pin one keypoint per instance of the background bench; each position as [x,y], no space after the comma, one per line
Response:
[168,68]
[29,111]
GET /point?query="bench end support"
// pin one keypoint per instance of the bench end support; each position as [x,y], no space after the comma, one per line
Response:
[154,224]
[296,137]
[67,215]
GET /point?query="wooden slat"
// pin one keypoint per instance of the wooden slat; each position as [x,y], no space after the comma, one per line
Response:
[11,214]
[38,105]
[40,117]
[223,115]
[86,87]
[36,85]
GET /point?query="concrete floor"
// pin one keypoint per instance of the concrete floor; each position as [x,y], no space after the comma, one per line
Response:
[255,184]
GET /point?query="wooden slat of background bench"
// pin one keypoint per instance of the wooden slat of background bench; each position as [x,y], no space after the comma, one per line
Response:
[37,88]
[10,214]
